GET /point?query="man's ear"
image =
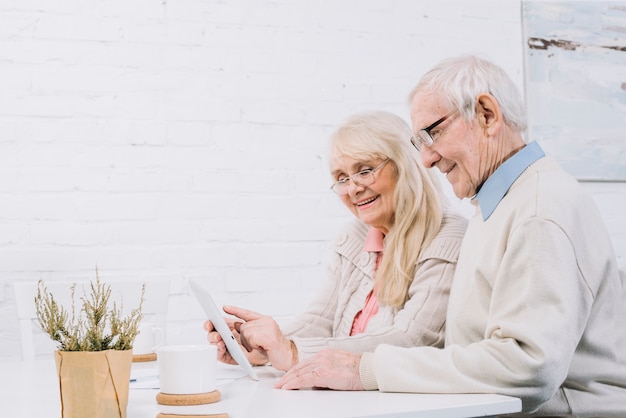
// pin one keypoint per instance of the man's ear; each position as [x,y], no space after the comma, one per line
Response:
[488,113]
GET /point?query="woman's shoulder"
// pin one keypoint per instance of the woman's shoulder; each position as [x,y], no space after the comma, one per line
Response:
[350,238]
[453,225]
[352,230]
[447,243]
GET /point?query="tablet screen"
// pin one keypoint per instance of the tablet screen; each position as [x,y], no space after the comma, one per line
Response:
[217,318]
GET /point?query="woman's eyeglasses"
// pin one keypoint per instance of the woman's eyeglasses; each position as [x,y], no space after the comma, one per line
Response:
[363,178]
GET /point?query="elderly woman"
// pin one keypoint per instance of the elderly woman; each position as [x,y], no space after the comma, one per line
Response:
[391,269]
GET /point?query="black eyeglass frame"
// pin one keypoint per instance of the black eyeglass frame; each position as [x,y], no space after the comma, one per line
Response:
[423,137]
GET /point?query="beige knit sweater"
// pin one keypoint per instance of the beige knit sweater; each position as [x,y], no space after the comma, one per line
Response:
[534,309]
[328,320]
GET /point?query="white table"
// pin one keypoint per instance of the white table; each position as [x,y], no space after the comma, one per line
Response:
[29,389]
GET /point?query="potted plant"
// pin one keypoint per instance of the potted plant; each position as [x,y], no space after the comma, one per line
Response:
[94,354]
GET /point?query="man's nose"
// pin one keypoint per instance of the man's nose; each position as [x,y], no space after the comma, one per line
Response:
[429,157]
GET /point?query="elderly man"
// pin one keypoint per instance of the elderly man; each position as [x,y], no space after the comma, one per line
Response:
[535,300]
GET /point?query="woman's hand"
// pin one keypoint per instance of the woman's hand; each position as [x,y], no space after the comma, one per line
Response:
[255,358]
[259,335]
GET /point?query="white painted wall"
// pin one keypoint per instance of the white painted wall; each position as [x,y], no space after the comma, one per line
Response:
[186,139]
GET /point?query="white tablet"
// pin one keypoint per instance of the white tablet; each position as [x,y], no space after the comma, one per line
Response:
[217,318]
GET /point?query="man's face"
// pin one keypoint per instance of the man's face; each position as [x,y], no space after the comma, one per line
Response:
[456,150]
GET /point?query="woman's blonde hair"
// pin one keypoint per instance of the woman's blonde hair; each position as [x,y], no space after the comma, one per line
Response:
[417,198]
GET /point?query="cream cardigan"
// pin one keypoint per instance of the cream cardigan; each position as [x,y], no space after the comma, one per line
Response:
[328,320]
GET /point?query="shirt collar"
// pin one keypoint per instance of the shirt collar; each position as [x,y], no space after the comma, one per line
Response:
[374,241]
[499,183]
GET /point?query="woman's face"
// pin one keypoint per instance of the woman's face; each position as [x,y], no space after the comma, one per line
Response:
[372,204]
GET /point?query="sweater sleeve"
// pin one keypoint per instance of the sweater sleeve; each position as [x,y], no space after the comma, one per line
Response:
[421,320]
[535,319]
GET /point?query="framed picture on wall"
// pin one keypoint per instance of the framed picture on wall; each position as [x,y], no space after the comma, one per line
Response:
[575,84]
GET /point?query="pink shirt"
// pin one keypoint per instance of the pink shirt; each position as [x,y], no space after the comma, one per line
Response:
[373,243]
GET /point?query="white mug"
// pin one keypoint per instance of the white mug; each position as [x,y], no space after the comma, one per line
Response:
[150,337]
[187,369]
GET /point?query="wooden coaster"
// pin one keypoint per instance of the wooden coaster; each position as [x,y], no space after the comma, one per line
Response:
[140,358]
[194,399]
[161,415]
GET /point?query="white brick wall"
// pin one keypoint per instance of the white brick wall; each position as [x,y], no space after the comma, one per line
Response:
[186,138]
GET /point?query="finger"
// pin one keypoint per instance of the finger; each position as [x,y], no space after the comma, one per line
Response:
[223,355]
[208,326]
[297,378]
[237,325]
[282,382]
[242,338]
[214,337]
[221,349]
[292,373]
[230,320]
[245,314]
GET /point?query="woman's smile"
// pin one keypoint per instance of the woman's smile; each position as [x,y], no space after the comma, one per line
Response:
[362,203]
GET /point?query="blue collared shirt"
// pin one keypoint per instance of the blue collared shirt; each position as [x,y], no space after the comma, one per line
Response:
[499,183]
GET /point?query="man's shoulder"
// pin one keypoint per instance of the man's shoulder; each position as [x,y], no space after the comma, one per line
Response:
[546,178]
[546,190]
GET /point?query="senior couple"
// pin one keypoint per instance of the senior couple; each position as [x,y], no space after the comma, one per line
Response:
[522,300]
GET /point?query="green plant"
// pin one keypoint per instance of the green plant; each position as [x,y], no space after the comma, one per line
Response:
[95,327]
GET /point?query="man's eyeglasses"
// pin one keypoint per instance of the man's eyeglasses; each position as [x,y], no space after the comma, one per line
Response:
[423,137]
[363,178]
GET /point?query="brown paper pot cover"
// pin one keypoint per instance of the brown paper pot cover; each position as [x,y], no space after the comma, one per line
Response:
[94,384]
